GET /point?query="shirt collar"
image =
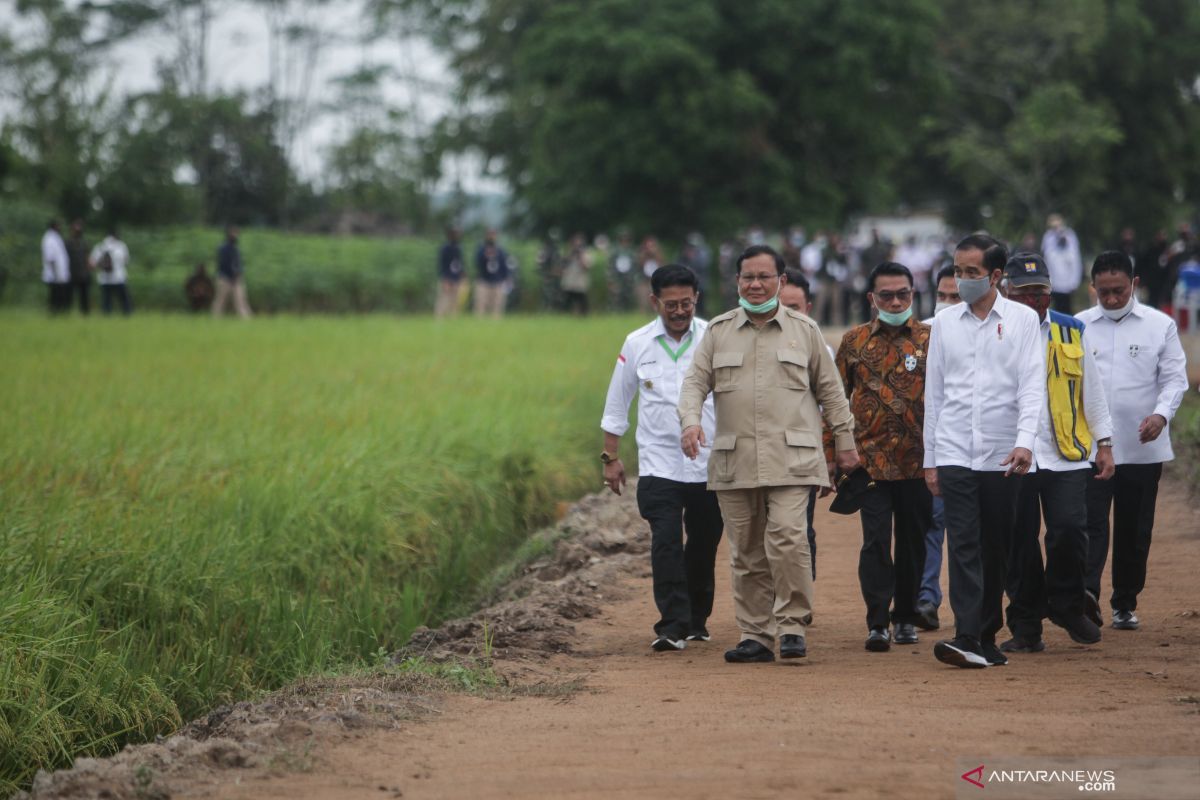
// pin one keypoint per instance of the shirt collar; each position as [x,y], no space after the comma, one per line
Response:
[998,308]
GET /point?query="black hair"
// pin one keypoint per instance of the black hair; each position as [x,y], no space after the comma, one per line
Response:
[759,250]
[889,268]
[1112,261]
[995,254]
[796,278]
[943,273]
[673,275]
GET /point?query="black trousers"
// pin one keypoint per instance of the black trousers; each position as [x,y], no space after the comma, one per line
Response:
[1036,591]
[980,508]
[1131,494]
[119,291]
[59,297]
[907,507]
[682,573]
[83,288]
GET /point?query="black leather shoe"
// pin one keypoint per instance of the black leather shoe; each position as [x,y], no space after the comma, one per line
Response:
[961,651]
[993,655]
[1081,629]
[1091,608]
[878,640]
[748,651]
[927,616]
[1125,621]
[791,645]
[906,633]
[1023,644]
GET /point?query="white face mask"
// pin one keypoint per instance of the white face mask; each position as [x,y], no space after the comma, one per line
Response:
[1116,314]
[941,306]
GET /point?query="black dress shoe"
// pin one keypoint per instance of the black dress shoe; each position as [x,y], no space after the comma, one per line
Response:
[906,633]
[927,616]
[878,640]
[1081,629]
[791,645]
[748,651]
[961,651]
[1091,608]
[1023,644]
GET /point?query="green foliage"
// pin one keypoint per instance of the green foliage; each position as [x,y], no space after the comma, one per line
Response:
[191,511]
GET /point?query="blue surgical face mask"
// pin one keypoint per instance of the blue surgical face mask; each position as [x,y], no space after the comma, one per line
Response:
[888,318]
[972,289]
[764,307]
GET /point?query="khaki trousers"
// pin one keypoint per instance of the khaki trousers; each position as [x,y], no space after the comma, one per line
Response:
[767,531]
[447,298]
[225,288]
[489,299]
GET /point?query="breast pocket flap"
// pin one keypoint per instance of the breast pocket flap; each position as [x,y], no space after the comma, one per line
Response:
[796,438]
[729,359]
[726,441]
[793,357]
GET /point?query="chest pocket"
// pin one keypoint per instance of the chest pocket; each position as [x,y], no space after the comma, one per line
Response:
[650,381]
[1069,358]
[793,369]
[727,371]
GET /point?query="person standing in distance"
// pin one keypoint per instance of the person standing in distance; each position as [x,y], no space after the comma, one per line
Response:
[671,489]
[1060,246]
[772,380]
[985,387]
[451,271]
[231,277]
[1078,415]
[1143,374]
[56,269]
[929,600]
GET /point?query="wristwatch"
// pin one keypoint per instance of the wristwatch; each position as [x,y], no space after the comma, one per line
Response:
[1106,442]
[607,457]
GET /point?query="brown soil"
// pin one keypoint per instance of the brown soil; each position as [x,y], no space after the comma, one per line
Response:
[590,711]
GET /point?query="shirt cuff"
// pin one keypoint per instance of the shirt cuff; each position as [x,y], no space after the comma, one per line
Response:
[613,426]
[844,441]
[1102,433]
[1164,411]
[688,420]
[1025,440]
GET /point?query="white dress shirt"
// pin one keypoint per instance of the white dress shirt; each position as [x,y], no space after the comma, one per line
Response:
[119,254]
[56,267]
[1063,261]
[644,368]
[985,385]
[1143,371]
[1095,411]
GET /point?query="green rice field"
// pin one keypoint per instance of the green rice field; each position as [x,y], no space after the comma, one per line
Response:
[192,510]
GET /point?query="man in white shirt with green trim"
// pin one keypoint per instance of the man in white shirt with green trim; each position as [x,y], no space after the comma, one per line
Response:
[671,491]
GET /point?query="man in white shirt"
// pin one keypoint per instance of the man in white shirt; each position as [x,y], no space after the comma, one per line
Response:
[1143,372]
[1060,248]
[110,259]
[56,269]
[672,489]
[984,390]
[1078,416]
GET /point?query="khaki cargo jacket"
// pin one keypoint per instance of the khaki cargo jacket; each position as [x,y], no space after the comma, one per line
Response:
[770,386]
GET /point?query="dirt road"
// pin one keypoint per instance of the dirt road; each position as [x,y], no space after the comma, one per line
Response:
[841,723]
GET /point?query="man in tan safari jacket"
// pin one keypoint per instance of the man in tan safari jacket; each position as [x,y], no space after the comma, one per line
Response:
[772,378]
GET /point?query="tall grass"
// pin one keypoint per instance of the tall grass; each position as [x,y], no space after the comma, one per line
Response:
[191,509]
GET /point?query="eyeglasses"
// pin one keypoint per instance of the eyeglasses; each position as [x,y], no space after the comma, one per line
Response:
[749,279]
[678,305]
[904,295]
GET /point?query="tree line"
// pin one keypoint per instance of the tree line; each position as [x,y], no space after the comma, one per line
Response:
[669,116]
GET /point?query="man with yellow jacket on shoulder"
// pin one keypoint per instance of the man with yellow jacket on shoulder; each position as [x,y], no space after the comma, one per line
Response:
[1076,415]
